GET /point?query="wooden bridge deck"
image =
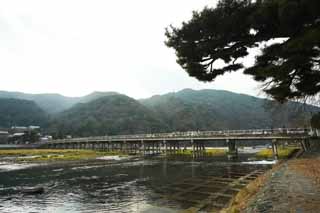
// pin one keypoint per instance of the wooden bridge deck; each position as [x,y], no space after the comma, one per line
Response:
[260,134]
[176,141]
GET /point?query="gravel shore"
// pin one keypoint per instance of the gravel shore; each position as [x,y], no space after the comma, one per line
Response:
[293,187]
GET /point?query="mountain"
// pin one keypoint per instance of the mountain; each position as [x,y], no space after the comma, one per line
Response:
[109,115]
[95,95]
[218,109]
[54,103]
[14,112]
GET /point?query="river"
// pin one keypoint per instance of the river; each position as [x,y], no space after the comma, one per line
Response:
[134,185]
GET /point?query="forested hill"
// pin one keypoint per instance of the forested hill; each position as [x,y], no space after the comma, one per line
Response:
[109,115]
[54,103]
[218,109]
[15,112]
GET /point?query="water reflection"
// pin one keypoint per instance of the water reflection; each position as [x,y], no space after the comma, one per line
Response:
[151,185]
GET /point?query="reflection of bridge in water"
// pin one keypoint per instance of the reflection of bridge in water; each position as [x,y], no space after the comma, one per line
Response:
[177,142]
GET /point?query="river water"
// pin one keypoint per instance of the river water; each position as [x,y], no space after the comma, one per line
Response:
[132,185]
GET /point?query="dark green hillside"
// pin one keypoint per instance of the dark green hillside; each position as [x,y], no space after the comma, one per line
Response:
[110,115]
[183,116]
[215,109]
[14,112]
[102,113]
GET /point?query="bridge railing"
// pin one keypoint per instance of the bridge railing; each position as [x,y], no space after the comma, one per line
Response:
[193,134]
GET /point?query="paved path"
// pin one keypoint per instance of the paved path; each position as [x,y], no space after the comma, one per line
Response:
[286,191]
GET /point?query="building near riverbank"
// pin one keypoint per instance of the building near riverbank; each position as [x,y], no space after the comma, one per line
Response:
[24,135]
[4,137]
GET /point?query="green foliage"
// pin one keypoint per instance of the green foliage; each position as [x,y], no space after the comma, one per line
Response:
[14,112]
[289,68]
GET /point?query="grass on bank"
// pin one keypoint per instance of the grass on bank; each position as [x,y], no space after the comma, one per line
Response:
[54,154]
[282,152]
[208,152]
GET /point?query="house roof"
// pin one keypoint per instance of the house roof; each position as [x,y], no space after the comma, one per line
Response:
[19,134]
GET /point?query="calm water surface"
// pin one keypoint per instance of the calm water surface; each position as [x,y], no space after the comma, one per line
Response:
[141,185]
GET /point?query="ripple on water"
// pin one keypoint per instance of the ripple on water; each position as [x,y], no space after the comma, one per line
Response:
[87,167]
[116,157]
[261,162]
[137,186]
[7,166]
[85,178]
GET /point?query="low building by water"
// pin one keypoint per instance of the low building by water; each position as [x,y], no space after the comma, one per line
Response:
[24,135]
[4,137]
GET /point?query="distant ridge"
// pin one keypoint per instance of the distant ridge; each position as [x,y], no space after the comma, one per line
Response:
[54,103]
[101,113]
[108,115]
[219,109]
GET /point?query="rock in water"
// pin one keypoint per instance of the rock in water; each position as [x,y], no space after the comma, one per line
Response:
[33,190]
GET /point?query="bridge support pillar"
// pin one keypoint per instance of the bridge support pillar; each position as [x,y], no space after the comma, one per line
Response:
[143,148]
[275,149]
[305,144]
[232,149]
[108,146]
[193,149]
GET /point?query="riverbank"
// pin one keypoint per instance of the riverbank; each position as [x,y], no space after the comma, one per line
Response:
[53,155]
[291,186]
[283,152]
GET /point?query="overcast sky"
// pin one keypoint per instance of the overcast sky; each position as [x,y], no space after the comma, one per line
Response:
[74,47]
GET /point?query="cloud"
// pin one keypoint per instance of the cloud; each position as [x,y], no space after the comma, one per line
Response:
[75,47]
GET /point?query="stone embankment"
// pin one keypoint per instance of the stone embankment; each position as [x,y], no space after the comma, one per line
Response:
[287,190]
[293,186]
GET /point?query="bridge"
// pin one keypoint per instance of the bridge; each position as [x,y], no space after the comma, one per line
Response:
[176,142]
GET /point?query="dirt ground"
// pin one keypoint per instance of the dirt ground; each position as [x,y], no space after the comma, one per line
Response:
[293,187]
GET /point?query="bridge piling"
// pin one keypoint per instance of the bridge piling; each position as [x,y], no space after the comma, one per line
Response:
[232,149]
[173,143]
[275,149]
[193,149]
[305,145]
[165,147]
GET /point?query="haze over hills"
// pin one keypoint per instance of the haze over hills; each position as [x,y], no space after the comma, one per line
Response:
[54,103]
[102,113]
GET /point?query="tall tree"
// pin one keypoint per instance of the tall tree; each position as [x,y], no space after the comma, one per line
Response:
[289,67]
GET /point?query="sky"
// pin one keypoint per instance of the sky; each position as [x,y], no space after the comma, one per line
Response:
[75,47]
